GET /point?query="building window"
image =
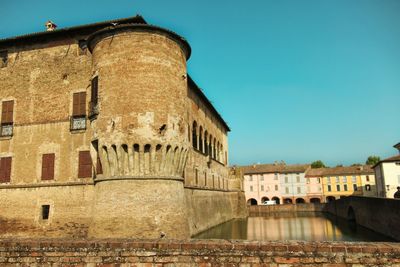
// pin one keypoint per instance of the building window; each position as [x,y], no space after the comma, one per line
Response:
[7,113]
[262,188]
[196,173]
[319,180]
[251,188]
[354,179]
[338,187]
[298,179]
[45,212]
[329,188]
[286,179]
[94,108]
[85,164]
[5,169]
[367,178]
[194,135]
[3,59]
[287,190]
[355,187]
[48,166]
[328,180]
[78,118]
[345,187]
[367,187]
[344,179]
[298,190]
[250,178]
[261,177]
[276,176]
[337,179]
[276,187]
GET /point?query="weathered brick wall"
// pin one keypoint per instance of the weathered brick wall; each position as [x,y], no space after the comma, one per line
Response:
[196,253]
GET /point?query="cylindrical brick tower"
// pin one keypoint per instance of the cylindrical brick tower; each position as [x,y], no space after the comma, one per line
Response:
[139,132]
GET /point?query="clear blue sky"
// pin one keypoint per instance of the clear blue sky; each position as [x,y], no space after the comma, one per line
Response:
[295,80]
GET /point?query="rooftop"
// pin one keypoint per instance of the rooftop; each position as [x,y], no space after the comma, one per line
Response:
[274,168]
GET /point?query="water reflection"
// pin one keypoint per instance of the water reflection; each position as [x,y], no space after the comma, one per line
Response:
[288,226]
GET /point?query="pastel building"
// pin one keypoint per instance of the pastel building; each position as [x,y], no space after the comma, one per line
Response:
[314,185]
[346,181]
[387,173]
[280,182]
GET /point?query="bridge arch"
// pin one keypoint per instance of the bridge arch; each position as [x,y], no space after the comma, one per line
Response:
[330,199]
[300,200]
[351,215]
[287,201]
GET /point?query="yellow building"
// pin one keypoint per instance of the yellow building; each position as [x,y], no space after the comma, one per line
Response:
[346,181]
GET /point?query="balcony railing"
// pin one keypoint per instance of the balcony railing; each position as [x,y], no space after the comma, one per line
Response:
[6,129]
[77,123]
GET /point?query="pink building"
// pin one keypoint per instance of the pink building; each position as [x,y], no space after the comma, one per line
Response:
[314,185]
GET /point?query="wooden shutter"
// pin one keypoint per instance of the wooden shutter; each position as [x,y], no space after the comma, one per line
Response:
[7,111]
[5,169]
[85,164]
[48,166]
[79,104]
[94,92]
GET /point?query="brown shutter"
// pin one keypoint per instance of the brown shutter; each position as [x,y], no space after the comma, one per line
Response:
[79,104]
[85,164]
[48,166]
[99,167]
[5,169]
[7,111]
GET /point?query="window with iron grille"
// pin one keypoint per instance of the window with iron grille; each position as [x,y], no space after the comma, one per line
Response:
[5,169]
[7,121]
[78,118]
[48,166]
[85,164]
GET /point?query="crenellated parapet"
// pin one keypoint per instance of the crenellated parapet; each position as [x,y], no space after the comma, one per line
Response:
[137,161]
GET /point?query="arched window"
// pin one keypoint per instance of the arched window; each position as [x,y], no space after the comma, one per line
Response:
[201,139]
[205,143]
[210,149]
[214,149]
[217,154]
[194,134]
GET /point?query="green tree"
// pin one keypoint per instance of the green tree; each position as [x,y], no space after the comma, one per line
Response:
[317,164]
[372,160]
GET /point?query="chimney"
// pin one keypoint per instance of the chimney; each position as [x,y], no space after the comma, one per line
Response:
[50,26]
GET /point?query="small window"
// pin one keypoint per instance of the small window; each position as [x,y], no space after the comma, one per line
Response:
[329,188]
[5,169]
[298,179]
[94,109]
[48,166]
[251,188]
[328,180]
[338,187]
[78,118]
[3,59]
[337,179]
[196,172]
[262,188]
[82,47]
[354,179]
[344,179]
[276,176]
[45,212]
[367,178]
[7,121]
[287,190]
[276,187]
[286,179]
[250,178]
[355,187]
[85,164]
[261,177]
[345,187]
[367,187]
[298,190]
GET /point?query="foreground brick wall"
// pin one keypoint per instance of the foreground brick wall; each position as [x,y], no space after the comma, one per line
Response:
[195,253]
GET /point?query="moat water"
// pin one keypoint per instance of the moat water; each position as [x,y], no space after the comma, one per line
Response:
[307,226]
